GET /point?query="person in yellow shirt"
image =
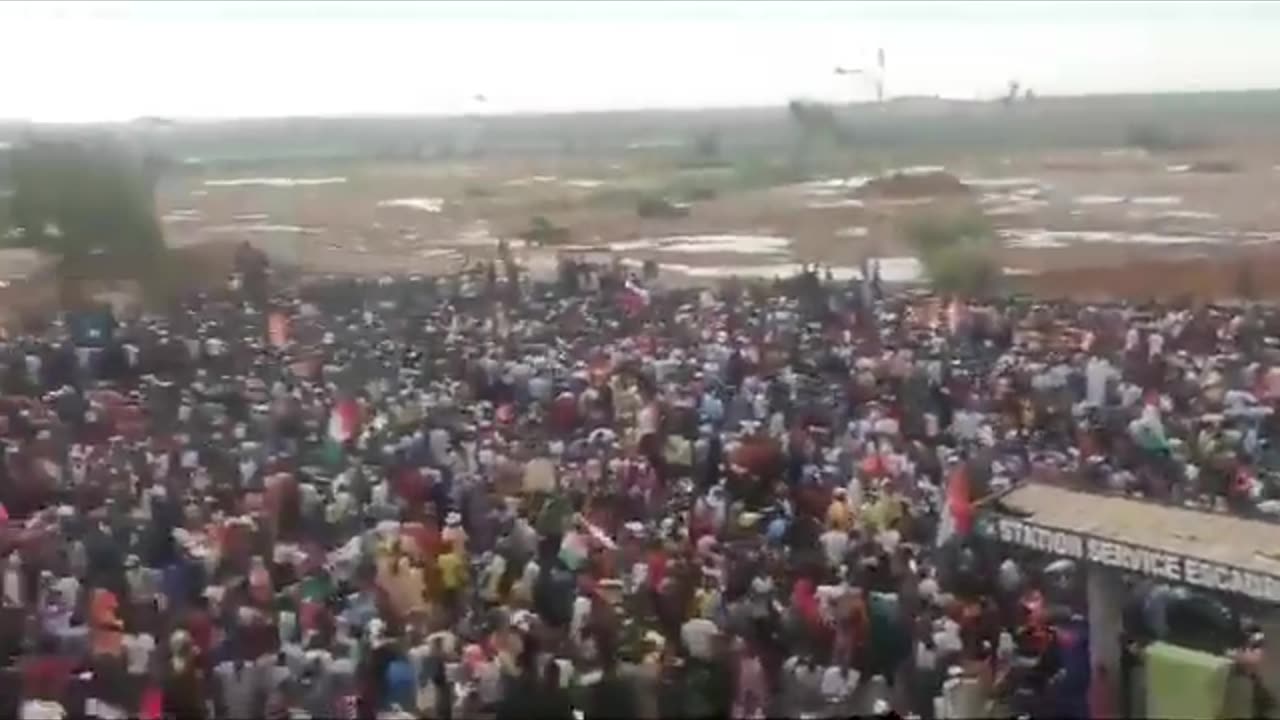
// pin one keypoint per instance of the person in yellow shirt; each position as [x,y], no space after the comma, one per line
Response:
[452,565]
[839,516]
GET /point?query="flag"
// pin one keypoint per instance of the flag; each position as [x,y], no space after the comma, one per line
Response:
[634,298]
[957,507]
[278,329]
[344,421]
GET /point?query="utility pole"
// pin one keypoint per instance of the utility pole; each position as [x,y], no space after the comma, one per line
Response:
[877,74]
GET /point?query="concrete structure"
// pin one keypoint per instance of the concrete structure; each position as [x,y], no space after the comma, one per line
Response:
[1113,535]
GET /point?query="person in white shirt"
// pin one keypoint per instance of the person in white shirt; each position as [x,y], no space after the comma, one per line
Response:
[699,636]
[1098,372]
[835,543]
[838,685]
[41,710]
[138,649]
[803,683]
[13,596]
[1155,345]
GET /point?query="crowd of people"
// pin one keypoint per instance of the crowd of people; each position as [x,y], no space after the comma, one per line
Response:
[489,495]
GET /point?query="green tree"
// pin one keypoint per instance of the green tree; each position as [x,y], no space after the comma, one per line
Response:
[958,253]
[543,232]
[89,202]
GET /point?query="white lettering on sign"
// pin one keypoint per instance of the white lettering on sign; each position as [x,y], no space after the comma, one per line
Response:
[1232,580]
[1056,542]
[1135,559]
[1132,558]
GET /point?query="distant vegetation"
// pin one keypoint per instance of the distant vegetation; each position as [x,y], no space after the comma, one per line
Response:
[894,127]
[817,129]
[1157,138]
[660,208]
[543,232]
[705,150]
[958,253]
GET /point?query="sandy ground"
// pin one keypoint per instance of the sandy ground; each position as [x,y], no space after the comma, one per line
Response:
[1071,222]
[1102,208]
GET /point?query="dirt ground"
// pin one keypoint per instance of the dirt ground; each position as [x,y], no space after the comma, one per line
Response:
[1111,222]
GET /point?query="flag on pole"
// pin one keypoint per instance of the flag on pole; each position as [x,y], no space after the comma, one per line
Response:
[344,421]
[957,507]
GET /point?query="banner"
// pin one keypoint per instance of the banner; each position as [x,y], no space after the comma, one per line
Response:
[1185,683]
[1134,558]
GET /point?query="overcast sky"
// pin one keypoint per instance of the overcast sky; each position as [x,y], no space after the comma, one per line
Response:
[99,60]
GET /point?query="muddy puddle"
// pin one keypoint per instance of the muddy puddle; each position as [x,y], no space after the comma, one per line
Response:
[892,270]
[1040,239]
[276,182]
[531,180]
[262,228]
[900,269]
[1099,200]
[904,202]
[832,186]
[441,253]
[915,170]
[730,244]
[182,215]
[751,272]
[425,204]
[1002,183]
[1173,215]
[835,204]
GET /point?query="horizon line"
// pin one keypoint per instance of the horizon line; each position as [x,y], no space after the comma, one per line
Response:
[177,120]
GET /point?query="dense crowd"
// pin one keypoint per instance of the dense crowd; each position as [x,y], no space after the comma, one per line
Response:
[490,495]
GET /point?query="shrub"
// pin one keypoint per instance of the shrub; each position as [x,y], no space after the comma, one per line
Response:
[544,232]
[958,253]
[660,207]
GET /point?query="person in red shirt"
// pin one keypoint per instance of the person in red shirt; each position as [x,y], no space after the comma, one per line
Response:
[656,562]
[199,624]
[46,675]
[564,413]
[409,485]
[804,599]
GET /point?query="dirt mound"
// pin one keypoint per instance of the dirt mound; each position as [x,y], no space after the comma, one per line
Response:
[915,185]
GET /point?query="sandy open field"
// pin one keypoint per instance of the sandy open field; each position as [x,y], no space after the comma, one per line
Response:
[1056,212]
[1079,210]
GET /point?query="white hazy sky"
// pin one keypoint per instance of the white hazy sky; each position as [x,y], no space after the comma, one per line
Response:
[101,60]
